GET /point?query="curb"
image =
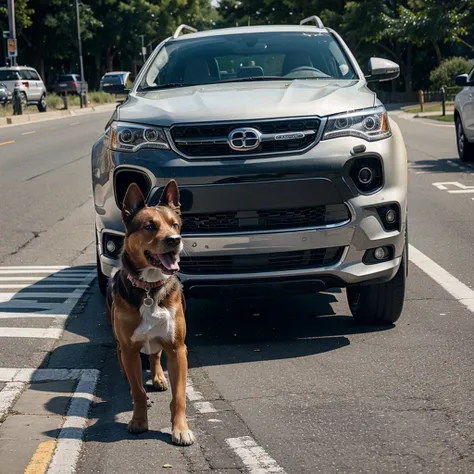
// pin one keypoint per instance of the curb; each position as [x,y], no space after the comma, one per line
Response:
[43,117]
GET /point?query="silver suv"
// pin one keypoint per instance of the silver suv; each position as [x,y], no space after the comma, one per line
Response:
[292,176]
[27,79]
[464,116]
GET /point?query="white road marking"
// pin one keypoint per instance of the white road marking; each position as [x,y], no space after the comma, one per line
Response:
[50,287]
[28,294]
[69,444]
[451,284]
[37,267]
[9,395]
[463,189]
[74,123]
[254,457]
[50,278]
[42,333]
[29,133]
[204,407]
[193,395]
[49,271]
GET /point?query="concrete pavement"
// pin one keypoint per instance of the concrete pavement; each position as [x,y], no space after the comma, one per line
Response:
[282,385]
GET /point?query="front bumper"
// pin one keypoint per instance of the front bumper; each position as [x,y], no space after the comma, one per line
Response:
[320,176]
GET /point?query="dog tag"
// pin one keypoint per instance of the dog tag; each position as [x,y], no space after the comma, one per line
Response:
[148,302]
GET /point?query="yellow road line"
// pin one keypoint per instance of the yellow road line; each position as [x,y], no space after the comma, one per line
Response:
[7,143]
[40,461]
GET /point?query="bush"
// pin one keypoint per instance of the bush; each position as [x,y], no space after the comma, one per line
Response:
[446,72]
[100,97]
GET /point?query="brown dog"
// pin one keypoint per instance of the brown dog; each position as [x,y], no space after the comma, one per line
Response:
[146,306]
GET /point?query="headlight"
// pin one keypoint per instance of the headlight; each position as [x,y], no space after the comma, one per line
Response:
[130,137]
[369,124]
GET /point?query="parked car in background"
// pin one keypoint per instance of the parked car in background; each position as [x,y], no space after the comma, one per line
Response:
[70,84]
[464,116]
[117,79]
[292,176]
[32,88]
[5,94]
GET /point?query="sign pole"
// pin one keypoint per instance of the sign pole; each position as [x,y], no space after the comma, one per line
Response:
[11,24]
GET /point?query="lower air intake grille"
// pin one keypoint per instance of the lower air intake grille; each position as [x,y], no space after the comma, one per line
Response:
[267,262]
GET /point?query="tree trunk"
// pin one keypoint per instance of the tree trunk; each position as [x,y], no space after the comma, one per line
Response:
[437,51]
[109,59]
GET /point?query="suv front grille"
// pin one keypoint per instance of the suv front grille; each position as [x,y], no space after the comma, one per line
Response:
[241,221]
[267,262]
[211,140]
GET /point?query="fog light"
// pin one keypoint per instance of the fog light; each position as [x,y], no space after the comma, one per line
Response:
[380,253]
[391,216]
[365,175]
[110,246]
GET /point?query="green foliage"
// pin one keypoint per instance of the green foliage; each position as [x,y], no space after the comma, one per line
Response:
[445,73]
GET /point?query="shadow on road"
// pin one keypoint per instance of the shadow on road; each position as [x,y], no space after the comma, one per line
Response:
[220,332]
[441,165]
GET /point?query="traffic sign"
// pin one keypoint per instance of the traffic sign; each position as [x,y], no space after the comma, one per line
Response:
[6,34]
[12,50]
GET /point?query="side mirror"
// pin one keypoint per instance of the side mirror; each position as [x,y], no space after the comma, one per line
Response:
[461,80]
[382,70]
[115,88]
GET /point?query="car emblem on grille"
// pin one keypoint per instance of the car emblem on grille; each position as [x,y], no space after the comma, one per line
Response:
[244,139]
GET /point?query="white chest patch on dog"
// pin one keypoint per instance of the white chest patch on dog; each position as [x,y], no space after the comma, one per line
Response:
[158,324]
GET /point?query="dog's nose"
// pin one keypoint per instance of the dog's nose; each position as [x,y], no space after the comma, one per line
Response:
[173,240]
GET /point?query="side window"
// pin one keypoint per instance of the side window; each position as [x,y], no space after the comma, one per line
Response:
[471,75]
[25,74]
[34,76]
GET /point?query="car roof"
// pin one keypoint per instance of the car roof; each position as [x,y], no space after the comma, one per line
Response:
[253,29]
[116,72]
[16,68]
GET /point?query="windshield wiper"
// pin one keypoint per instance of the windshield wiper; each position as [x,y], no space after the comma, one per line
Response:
[257,78]
[170,85]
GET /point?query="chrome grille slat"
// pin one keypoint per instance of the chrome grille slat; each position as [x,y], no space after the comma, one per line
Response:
[202,141]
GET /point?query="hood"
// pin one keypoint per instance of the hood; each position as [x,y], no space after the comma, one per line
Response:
[242,101]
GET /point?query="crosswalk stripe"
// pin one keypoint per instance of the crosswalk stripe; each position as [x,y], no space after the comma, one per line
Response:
[51,287]
[42,333]
[40,271]
[36,267]
[69,277]
[24,295]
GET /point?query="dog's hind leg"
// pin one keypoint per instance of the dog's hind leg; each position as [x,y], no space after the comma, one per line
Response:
[119,357]
[133,367]
[157,375]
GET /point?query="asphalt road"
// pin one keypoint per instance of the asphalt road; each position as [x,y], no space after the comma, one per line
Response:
[314,392]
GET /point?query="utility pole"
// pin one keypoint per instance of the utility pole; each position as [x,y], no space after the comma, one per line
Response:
[11,25]
[81,64]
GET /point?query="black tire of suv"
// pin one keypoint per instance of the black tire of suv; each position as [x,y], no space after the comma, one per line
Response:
[465,148]
[379,304]
[42,106]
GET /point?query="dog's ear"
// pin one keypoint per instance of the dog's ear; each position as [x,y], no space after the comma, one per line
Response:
[170,197]
[132,202]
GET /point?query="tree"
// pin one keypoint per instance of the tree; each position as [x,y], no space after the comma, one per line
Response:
[445,73]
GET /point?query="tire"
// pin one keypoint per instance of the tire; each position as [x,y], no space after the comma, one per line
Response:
[23,99]
[379,304]
[42,106]
[465,148]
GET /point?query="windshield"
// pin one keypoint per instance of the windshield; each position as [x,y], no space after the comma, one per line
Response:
[66,78]
[247,57]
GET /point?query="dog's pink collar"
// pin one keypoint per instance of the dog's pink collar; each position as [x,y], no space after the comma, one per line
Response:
[145,285]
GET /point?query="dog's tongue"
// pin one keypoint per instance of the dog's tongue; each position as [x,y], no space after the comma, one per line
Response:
[169,261]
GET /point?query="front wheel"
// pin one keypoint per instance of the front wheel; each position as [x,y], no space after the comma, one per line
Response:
[465,148]
[42,106]
[379,304]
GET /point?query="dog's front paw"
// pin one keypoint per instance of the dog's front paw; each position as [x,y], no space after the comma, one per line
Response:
[138,425]
[183,437]
[160,384]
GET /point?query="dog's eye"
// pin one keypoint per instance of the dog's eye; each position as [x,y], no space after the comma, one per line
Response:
[176,225]
[150,227]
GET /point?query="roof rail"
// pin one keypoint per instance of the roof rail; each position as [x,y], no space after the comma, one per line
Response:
[314,18]
[180,29]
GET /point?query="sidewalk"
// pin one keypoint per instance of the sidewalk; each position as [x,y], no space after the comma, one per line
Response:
[57,114]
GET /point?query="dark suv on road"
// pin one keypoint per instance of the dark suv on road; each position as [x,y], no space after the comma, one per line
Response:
[292,176]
